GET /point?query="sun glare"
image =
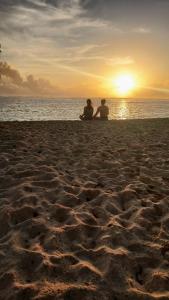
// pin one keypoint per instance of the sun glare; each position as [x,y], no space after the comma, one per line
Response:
[124,84]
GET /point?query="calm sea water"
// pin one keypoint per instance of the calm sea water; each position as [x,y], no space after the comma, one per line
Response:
[29,109]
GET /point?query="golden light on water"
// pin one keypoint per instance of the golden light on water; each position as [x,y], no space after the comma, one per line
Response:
[123,112]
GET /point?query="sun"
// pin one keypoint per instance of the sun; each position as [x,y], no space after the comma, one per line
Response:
[124,84]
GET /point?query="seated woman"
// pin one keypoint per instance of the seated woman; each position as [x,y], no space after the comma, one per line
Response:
[88,112]
[103,110]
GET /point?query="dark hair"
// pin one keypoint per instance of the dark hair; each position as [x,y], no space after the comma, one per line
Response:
[103,101]
[89,101]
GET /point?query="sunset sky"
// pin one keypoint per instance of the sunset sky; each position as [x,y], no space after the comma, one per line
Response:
[80,47]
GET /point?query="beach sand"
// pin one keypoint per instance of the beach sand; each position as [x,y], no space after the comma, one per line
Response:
[84,210]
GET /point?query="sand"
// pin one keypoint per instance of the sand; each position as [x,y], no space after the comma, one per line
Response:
[84,210]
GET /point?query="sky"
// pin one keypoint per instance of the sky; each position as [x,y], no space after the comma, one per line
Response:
[77,48]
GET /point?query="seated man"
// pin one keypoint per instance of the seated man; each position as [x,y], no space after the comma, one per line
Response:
[88,112]
[103,110]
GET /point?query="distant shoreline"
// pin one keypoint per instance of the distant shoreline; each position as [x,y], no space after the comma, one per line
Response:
[82,98]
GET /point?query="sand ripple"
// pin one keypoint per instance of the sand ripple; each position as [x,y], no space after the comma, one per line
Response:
[84,210]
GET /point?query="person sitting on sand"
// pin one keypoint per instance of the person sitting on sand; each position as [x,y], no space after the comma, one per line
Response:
[88,112]
[103,110]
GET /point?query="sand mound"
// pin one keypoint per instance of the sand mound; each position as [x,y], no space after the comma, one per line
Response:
[84,210]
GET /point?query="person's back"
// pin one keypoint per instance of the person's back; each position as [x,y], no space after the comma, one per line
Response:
[88,112]
[103,110]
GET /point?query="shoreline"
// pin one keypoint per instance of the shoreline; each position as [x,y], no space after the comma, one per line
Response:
[86,122]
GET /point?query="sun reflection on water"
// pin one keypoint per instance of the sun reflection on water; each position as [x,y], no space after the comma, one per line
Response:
[123,111]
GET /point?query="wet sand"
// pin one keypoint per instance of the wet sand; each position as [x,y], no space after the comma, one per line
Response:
[84,210]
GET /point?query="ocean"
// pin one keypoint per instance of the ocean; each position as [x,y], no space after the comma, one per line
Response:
[33,109]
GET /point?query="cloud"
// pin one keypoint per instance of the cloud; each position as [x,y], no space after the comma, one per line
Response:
[75,38]
[152,93]
[142,30]
[69,17]
[7,71]
[130,14]
[121,61]
[127,11]
[11,82]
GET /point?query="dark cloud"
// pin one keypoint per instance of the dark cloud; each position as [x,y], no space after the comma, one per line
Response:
[11,82]
[128,11]
[98,6]
[12,4]
[7,71]
[90,5]
[125,11]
